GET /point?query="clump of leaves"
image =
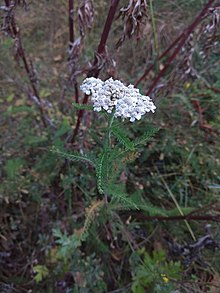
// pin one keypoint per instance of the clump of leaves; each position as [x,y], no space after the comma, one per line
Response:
[153,272]
[86,270]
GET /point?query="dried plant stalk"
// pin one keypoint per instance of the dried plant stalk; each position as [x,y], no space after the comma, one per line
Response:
[133,16]
[10,28]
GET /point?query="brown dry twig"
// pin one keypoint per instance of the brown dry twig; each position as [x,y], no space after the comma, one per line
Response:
[85,19]
[215,218]
[10,28]
[134,15]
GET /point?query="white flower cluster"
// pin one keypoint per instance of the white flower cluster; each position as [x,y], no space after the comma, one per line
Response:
[113,95]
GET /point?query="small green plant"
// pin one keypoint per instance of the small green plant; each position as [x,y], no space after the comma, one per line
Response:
[153,272]
[85,269]
[41,272]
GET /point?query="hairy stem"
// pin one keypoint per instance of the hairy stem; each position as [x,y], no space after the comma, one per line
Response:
[107,141]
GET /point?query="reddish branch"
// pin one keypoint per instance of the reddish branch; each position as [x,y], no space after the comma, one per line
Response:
[21,53]
[215,90]
[71,40]
[189,217]
[71,23]
[30,76]
[100,52]
[104,37]
[186,34]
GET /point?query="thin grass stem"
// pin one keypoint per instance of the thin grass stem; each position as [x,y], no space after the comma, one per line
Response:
[155,38]
[178,207]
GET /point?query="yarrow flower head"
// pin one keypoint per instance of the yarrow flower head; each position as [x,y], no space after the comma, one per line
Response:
[113,95]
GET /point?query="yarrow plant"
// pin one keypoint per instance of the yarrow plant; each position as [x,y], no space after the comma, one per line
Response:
[113,96]
[118,149]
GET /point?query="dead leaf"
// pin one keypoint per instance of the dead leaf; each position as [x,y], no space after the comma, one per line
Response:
[117,254]
[79,232]
[80,279]
[58,58]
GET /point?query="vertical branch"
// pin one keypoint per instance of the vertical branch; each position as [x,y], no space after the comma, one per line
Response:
[100,51]
[184,38]
[104,37]
[30,77]
[21,53]
[71,41]
[71,23]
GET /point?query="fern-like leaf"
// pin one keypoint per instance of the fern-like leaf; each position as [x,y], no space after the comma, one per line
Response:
[74,156]
[146,136]
[121,137]
[122,197]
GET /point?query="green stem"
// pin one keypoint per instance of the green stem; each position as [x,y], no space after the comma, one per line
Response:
[107,141]
[104,157]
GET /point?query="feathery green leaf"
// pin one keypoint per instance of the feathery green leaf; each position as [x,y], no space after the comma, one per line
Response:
[121,137]
[117,193]
[146,136]
[73,156]
[102,171]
